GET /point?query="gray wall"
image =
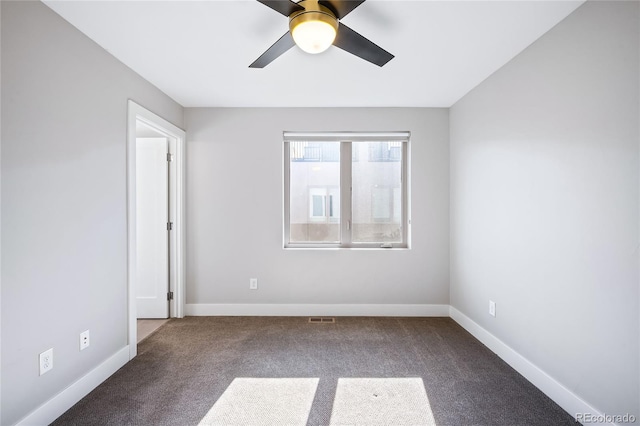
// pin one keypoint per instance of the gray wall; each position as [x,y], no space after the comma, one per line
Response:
[544,204]
[234,212]
[64,241]
[0,217]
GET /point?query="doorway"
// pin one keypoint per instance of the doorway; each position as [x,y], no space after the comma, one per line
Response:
[155,195]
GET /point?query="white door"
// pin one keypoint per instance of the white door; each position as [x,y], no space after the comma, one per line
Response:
[152,236]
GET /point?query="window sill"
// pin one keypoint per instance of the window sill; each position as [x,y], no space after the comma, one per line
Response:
[346,248]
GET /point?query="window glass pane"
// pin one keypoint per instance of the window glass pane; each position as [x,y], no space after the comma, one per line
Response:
[380,203]
[314,192]
[376,192]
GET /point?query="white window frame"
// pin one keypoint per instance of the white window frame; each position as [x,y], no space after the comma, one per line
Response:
[346,139]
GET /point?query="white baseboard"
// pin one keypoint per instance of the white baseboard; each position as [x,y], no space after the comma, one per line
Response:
[562,396]
[56,406]
[345,310]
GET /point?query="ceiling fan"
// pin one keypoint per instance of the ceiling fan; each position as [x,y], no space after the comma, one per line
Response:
[314,26]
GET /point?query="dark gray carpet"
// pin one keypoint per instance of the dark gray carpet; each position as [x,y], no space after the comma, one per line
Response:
[183,368]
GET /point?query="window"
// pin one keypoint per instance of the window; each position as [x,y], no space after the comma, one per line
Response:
[345,190]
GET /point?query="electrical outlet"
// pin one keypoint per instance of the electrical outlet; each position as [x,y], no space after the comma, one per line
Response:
[46,361]
[253,284]
[84,340]
[492,308]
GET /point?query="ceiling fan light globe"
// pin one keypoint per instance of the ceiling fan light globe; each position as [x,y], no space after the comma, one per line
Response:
[314,36]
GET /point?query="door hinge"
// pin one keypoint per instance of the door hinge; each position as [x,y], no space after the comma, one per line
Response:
[169,226]
[169,157]
[170,295]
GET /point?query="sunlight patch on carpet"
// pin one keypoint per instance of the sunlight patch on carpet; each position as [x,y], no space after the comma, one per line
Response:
[388,401]
[264,402]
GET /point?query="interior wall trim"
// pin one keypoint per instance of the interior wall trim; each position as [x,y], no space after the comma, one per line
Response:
[345,310]
[56,406]
[562,396]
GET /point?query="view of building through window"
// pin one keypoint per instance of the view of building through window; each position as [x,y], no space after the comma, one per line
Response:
[372,181]
[377,192]
[315,192]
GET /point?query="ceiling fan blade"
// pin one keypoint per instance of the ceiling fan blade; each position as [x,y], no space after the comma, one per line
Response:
[278,48]
[341,8]
[354,43]
[285,7]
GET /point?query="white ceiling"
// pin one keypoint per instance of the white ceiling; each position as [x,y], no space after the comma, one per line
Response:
[198,52]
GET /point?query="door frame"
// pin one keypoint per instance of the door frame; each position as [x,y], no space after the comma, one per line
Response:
[137,113]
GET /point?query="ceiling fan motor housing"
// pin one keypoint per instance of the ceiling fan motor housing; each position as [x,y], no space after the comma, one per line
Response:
[313,13]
